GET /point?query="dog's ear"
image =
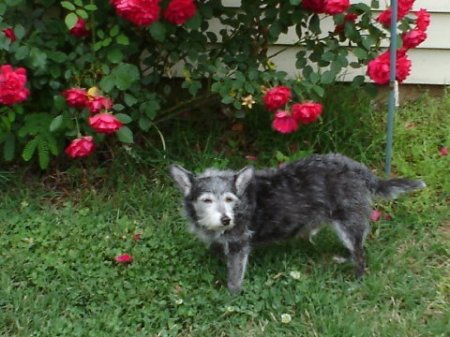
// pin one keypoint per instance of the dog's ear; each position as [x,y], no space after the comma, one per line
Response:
[243,178]
[183,178]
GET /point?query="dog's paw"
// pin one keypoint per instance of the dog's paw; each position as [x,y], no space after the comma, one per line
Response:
[234,289]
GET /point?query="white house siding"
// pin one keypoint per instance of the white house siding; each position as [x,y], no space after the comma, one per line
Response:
[430,61]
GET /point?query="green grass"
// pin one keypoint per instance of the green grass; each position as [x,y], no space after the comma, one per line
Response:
[59,235]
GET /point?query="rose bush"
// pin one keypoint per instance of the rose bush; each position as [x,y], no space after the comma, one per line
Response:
[73,71]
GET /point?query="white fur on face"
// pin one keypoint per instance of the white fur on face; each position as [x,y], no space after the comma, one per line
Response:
[211,208]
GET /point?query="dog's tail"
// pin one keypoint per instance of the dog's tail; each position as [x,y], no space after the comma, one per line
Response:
[391,188]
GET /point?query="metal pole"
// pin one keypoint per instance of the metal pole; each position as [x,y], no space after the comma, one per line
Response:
[392,87]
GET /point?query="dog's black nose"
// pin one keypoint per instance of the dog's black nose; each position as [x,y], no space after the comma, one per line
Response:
[225,220]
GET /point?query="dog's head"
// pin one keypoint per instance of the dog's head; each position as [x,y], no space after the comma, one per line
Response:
[214,199]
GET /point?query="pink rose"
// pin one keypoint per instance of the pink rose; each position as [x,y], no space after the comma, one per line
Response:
[277,97]
[404,7]
[307,112]
[76,97]
[413,38]
[378,68]
[105,123]
[284,122]
[12,85]
[443,151]
[124,259]
[180,11]
[139,12]
[335,6]
[79,30]
[96,104]
[423,19]
[81,147]
[9,33]
[316,6]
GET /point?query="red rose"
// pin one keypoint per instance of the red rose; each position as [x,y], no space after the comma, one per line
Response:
[404,7]
[76,97]
[9,33]
[316,6]
[335,6]
[277,97]
[413,38]
[180,11]
[350,17]
[79,30]
[307,112]
[403,65]
[284,122]
[378,68]
[105,123]
[140,12]
[423,19]
[98,103]
[12,85]
[124,258]
[81,147]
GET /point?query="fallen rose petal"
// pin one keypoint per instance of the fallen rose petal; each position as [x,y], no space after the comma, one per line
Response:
[443,151]
[250,157]
[376,215]
[124,259]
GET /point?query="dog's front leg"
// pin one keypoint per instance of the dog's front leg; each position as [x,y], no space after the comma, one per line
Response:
[237,257]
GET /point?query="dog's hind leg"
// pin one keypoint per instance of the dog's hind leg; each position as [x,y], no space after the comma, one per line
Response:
[237,258]
[353,236]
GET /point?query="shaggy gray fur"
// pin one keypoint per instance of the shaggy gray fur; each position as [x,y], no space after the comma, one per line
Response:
[238,210]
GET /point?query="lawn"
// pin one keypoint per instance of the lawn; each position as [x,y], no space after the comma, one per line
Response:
[61,230]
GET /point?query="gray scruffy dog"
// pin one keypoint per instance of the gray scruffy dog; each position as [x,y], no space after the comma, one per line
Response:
[237,210]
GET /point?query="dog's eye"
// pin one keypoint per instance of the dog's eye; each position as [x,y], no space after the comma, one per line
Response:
[229,199]
[207,201]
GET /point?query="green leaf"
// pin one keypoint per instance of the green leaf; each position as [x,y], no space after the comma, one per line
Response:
[29,149]
[150,108]
[68,5]
[43,153]
[123,40]
[125,75]
[56,123]
[124,118]
[327,77]
[130,100]
[115,55]
[107,83]
[145,123]
[19,31]
[294,2]
[70,20]
[38,58]
[227,100]
[125,135]
[114,31]
[314,24]
[360,53]
[22,52]
[195,22]
[158,31]
[82,13]
[90,7]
